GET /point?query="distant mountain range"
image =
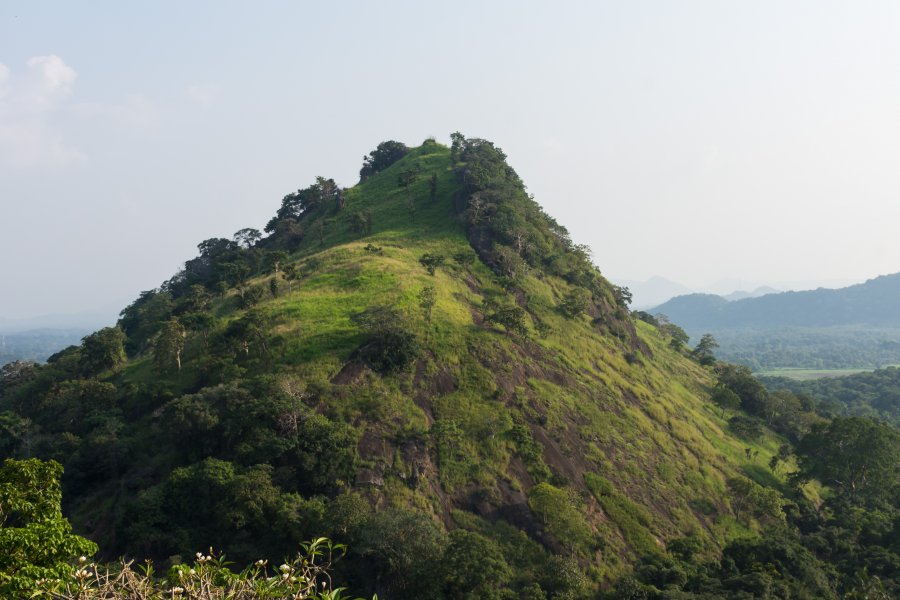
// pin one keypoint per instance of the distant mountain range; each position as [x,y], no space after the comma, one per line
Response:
[852,327]
[37,344]
[658,290]
[742,295]
[875,302]
[655,290]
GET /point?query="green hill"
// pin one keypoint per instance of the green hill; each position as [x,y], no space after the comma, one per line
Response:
[423,366]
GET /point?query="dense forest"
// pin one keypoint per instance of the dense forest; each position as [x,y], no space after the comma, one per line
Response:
[426,369]
[810,348]
[875,394]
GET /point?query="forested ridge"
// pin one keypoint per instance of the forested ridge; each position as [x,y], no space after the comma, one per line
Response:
[873,302]
[427,369]
[875,394]
[852,327]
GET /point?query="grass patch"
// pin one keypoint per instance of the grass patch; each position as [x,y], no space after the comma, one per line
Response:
[633,520]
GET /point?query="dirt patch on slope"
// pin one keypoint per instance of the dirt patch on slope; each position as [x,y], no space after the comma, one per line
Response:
[350,373]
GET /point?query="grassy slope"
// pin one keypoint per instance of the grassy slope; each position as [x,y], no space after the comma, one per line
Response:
[644,430]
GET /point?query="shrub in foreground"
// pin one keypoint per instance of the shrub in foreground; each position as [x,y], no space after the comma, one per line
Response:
[207,578]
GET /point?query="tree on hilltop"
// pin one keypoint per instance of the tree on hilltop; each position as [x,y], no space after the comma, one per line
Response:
[382,157]
[247,237]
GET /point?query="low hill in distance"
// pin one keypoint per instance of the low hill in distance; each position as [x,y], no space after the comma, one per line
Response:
[658,290]
[37,338]
[37,344]
[853,327]
[873,303]
[654,291]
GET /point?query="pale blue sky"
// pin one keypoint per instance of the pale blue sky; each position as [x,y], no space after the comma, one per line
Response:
[695,140]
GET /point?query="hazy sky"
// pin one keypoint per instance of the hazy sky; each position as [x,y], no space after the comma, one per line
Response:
[695,140]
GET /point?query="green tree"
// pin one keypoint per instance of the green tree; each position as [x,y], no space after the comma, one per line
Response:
[511,318]
[389,345]
[169,346]
[740,380]
[214,247]
[473,567]
[458,142]
[383,156]
[433,187]
[703,352]
[102,350]
[405,548]
[274,262]
[36,541]
[561,514]
[361,222]
[749,497]
[574,303]
[745,427]
[725,399]
[202,322]
[646,318]
[431,261]
[196,299]
[17,434]
[464,258]
[291,274]
[509,262]
[678,337]
[142,319]
[237,274]
[253,295]
[248,331]
[406,178]
[247,237]
[855,456]
[427,299]
[623,295]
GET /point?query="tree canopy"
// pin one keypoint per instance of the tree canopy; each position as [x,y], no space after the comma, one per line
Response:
[36,541]
[856,456]
[383,156]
